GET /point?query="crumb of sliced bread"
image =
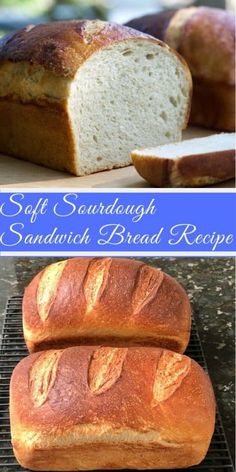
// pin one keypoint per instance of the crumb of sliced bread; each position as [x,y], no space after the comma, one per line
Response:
[133,94]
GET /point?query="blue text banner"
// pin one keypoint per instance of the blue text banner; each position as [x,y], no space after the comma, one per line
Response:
[101,222]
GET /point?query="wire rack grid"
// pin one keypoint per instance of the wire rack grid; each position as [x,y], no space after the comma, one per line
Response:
[13,349]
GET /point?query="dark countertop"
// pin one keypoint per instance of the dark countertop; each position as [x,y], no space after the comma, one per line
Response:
[210,285]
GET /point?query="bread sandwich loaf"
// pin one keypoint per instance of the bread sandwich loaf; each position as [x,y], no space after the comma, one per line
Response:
[205,37]
[80,95]
[191,163]
[117,302]
[86,408]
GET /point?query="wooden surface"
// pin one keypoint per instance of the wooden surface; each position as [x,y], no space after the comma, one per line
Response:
[15,173]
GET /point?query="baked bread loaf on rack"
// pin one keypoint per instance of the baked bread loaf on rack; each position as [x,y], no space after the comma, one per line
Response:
[118,302]
[86,408]
[80,95]
[205,37]
[191,163]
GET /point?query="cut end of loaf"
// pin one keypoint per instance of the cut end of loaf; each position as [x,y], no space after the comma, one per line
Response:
[141,91]
[100,91]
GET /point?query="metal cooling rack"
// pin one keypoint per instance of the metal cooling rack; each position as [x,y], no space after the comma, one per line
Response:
[13,349]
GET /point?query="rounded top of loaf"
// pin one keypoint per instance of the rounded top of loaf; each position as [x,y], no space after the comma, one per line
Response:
[102,389]
[120,295]
[208,44]
[62,47]
[153,24]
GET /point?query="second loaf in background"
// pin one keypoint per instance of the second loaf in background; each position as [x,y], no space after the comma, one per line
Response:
[116,302]
[205,37]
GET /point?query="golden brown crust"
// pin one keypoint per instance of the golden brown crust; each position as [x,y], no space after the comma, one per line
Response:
[63,46]
[162,413]
[192,170]
[37,67]
[92,456]
[213,105]
[218,165]
[31,83]
[40,134]
[173,343]
[208,45]
[155,171]
[108,299]
[155,25]
[207,42]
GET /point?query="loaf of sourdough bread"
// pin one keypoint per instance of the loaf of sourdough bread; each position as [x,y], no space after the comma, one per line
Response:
[191,163]
[118,302]
[80,95]
[86,408]
[205,37]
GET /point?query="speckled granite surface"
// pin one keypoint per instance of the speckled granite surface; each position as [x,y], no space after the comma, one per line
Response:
[210,285]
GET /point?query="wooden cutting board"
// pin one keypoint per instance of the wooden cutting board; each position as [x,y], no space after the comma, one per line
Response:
[15,173]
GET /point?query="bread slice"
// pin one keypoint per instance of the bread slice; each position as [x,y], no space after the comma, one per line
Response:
[80,95]
[190,163]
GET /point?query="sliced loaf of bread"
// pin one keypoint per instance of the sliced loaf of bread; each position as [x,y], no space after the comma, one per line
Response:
[80,95]
[190,163]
